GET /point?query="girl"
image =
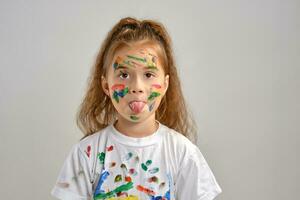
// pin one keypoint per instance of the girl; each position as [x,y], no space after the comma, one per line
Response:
[136,125]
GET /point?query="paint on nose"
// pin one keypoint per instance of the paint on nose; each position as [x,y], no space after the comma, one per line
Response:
[137,106]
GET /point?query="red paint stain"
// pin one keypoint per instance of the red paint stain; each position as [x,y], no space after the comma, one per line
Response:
[118,87]
[122,194]
[156,86]
[127,178]
[110,148]
[88,150]
[153,179]
[145,190]
[131,171]
[112,164]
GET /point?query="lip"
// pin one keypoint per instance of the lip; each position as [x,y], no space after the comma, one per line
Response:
[137,101]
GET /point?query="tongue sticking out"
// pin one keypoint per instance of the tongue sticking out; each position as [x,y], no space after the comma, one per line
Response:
[137,106]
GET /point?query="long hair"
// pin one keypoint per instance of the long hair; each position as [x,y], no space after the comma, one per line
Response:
[97,111]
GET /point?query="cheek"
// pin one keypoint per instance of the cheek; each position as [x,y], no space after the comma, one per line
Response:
[119,91]
[155,91]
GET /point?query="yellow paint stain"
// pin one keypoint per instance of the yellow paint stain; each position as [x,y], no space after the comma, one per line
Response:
[130,197]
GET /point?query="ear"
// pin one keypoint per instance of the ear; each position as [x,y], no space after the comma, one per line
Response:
[166,83]
[104,85]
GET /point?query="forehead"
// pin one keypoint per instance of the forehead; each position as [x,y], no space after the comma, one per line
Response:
[148,52]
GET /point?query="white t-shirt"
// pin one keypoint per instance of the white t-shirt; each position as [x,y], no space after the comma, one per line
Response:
[111,165]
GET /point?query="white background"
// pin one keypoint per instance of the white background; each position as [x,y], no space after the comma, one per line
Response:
[239,66]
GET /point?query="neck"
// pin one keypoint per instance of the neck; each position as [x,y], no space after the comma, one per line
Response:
[136,129]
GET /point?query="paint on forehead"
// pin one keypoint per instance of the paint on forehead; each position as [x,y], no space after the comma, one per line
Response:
[136,58]
[137,64]
[116,63]
[128,62]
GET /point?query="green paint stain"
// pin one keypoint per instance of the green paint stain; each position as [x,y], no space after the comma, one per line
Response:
[115,96]
[128,63]
[152,67]
[101,157]
[144,167]
[112,193]
[137,58]
[153,95]
[121,94]
[134,117]
[154,170]
[115,65]
[118,178]
[148,162]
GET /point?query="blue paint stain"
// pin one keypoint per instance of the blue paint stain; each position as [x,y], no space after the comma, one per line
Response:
[115,65]
[168,194]
[151,106]
[103,176]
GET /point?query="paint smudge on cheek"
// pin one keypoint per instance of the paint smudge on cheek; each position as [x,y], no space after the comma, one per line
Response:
[151,106]
[153,95]
[118,87]
[157,86]
[119,91]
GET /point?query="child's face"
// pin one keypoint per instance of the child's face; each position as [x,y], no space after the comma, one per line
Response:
[136,82]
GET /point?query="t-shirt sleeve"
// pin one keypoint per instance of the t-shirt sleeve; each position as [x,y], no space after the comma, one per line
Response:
[73,182]
[195,179]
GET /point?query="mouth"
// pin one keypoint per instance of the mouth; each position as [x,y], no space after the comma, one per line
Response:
[137,106]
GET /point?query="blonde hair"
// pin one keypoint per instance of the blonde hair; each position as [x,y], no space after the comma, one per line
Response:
[97,111]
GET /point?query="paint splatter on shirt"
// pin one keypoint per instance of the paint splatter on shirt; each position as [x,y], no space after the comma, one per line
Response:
[112,166]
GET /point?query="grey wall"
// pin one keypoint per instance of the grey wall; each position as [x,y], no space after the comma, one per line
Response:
[239,64]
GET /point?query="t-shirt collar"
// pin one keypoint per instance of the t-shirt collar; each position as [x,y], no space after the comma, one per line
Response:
[134,141]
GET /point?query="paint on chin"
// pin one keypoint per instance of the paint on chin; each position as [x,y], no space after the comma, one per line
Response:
[133,117]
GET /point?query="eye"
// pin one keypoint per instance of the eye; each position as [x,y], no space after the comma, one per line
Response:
[123,75]
[148,75]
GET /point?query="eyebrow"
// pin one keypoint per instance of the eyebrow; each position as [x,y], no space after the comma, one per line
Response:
[146,67]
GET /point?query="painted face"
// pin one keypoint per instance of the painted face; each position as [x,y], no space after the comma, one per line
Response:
[136,82]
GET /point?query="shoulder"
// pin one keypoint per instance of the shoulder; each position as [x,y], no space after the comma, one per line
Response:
[184,148]
[90,144]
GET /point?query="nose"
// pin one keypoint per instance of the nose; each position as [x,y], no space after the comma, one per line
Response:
[136,86]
